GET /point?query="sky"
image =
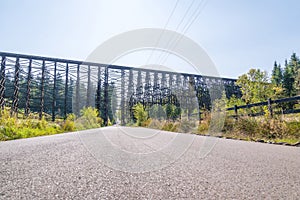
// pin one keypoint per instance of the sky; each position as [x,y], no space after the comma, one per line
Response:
[237,35]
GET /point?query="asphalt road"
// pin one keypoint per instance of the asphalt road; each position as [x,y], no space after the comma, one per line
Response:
[138,163]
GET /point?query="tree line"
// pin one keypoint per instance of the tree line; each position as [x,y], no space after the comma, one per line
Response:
[257,85]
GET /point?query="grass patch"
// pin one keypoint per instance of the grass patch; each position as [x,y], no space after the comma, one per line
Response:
[263,129]
[12,127]
[277,130]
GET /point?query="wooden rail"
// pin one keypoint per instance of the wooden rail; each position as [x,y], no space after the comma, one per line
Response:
[268,103]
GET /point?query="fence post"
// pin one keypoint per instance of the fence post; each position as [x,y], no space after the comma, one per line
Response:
[270,107]
[236,112]
[199,117]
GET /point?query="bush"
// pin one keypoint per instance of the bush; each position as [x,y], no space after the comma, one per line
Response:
[170,126]
[147,122]
[140,114]
[293,128]
[262,128]
[272,128]
[155,124]
[13,128]
[89,119]
[187,126]
[247,126]
[42,124]
[69,123]
[203,126]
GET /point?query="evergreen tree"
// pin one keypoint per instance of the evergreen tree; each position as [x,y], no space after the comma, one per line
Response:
[297,82]
[60,92]
[288,81]
[291,76]
[277,75]
[169,111]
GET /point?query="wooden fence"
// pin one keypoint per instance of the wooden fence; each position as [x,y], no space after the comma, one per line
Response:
[269,105]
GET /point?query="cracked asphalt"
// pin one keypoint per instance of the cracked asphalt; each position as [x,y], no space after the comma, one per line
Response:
[139,163]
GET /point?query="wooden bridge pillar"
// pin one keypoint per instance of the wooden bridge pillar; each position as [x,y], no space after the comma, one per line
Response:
[42,99]
[14,107]
[88,100]
[2,82]
[106,103]
[54,93]
[27,105]
[130,91]
[122,97]
[77,92]
[98,93]
[66,91]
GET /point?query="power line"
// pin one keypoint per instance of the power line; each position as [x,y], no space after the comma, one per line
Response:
[164,29]
[177,27]
[196,14]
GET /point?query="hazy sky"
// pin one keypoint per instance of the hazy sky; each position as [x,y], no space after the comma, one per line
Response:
[236,34]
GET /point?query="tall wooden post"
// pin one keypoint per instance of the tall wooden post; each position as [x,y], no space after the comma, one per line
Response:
[66,91]
[42,98]
[27,106]
[98,95]
[105,105]
[88,95]
[2,82]
[54,93]
[77,92]
[122,97]
[236,112]
[15,103]
[270,107]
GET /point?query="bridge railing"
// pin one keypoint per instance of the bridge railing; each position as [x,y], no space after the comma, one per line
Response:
[282,108]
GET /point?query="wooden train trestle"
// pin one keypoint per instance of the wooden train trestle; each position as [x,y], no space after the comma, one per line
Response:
[56,87]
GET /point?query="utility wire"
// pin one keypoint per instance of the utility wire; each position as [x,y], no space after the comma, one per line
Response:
[177,27]
[164,29]
[195,16]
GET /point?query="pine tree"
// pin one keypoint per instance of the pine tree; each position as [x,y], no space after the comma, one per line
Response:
[297,82]
[291,76]
[277,75]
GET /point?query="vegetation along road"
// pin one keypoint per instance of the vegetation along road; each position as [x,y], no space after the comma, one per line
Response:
[83,165]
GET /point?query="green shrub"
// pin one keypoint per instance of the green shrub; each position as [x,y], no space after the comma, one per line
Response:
[247,126]
[42,124]
[69,123]
[187,126]
[12,127]
[262,128]
[88,119]
[140,114]
[272,128]
[155,124]
[293,128]
[109,123]
[203,126]
[146,123]
[170,126]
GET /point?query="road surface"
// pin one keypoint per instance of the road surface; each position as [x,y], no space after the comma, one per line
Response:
[146,164]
